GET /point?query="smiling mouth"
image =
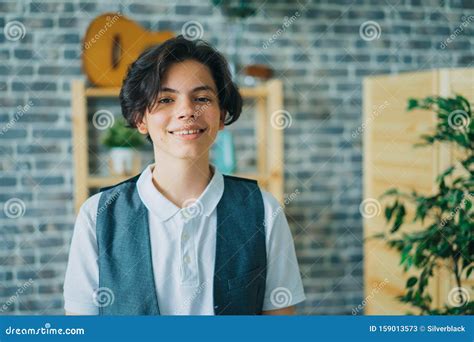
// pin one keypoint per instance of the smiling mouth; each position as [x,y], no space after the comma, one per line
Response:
[188,134]
[187,131]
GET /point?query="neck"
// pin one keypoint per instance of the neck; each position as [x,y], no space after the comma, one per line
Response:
[180,180]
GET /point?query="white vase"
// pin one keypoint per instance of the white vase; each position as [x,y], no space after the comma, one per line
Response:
[121,160]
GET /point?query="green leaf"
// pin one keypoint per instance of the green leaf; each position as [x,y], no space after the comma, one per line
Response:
[445,173]
[389,211]
[389,192]
[469,271]
[405,257]
[400,216]
[412,104]
[378,236]
[411,281]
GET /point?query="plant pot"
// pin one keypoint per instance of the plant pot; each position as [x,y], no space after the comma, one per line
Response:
[121,160]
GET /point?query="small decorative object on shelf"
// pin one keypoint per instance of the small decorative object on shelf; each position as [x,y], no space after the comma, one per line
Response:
[261,71]
[123,143]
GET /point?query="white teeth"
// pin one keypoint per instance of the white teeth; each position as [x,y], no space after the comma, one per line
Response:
[194,131]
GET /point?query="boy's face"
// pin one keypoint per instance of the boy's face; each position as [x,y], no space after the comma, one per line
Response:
[187,117]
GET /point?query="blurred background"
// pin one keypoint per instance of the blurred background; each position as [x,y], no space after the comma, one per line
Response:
[309,72]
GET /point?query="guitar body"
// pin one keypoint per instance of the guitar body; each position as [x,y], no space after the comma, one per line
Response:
[112,42]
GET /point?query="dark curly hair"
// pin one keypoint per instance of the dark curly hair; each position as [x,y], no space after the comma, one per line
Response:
[142,83]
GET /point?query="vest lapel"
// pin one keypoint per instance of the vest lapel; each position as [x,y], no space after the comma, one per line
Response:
[240,263]
[125,265]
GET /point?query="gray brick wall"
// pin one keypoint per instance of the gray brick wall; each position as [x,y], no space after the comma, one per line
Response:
[316,48]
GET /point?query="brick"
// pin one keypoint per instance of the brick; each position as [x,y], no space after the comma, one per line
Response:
[72,54]
[49,289]
[52,133]
[87,7]
[146,8]
[13,133]
[50,242]
[8,7]
[51,7]
[68,22]
[6,276]
[23,70]
[411,15]
[7,181]
[43,86]
[373,15]
[193,10]
[32,23]
[57,70]
[323,13]
[42,181]
[35,117]
[23,54]
[33,149]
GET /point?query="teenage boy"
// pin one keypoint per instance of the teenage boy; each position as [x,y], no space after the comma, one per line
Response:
[181,238]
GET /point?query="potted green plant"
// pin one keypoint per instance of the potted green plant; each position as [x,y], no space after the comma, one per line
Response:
[122,142]
[447,239]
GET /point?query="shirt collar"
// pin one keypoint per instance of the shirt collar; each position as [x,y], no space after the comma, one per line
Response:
[164,209]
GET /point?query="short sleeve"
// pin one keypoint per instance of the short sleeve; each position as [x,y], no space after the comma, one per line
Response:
[284,286]
[82,273]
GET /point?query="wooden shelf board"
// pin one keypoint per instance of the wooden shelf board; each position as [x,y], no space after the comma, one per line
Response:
[102,92]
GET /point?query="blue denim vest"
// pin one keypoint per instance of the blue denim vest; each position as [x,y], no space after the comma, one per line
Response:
[125,264]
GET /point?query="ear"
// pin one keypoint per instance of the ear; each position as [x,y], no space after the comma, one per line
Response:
[142,126]
[221,123]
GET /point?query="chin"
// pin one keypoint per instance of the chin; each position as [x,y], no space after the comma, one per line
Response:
[189,155]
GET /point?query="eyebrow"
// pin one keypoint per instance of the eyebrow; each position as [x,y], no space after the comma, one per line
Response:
[200,88]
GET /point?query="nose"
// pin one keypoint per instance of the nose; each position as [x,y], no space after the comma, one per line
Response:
[186,110]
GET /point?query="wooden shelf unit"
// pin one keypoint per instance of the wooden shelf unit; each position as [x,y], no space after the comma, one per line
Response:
[269,141]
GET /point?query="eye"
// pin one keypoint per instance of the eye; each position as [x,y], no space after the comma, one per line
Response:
[203,99]
[165,100]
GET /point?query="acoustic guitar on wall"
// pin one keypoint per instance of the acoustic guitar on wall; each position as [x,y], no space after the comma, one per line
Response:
[111,43]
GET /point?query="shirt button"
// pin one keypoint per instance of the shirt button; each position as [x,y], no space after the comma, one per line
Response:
[187,259]
[186,215]
[185,237]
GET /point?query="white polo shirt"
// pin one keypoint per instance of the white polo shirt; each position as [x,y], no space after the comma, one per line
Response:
[183,253]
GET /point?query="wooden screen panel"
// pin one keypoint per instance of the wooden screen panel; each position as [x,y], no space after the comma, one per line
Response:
[391,161]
